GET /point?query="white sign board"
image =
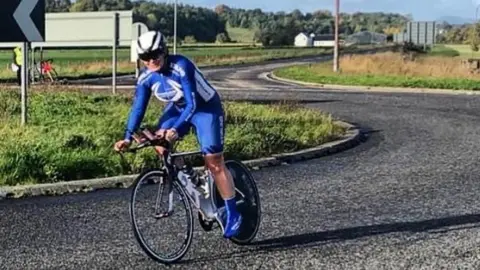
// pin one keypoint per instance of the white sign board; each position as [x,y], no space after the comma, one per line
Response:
[138,28]
[85,29]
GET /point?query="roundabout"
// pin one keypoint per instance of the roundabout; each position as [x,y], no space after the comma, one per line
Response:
[404,198]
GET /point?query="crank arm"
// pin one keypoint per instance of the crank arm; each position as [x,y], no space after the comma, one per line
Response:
[164,214]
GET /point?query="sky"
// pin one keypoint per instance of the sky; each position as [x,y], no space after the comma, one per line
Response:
[419,9]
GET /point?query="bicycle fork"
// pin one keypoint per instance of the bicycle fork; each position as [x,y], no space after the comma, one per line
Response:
[158,214]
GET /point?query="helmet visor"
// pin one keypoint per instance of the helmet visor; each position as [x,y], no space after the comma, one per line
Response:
[152,55]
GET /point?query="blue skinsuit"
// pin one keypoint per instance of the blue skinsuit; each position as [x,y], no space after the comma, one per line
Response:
[191,100]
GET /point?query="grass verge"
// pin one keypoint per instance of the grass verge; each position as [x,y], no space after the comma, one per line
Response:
[76,64]
[390,70]
[454,50]
[85,63]
[70,134]
[444,50]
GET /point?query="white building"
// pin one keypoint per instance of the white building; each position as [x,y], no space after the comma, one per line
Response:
[324,41]
[303,40]
[312,40]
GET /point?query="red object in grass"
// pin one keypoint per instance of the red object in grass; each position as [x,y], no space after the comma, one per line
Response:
[46,67]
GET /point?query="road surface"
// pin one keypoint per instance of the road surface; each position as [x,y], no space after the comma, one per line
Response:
[406,198]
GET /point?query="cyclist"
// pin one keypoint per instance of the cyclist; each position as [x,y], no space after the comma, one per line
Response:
[191,100]
[17,61]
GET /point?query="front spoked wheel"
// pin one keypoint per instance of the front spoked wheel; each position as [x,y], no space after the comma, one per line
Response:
[248,201]
[161,217]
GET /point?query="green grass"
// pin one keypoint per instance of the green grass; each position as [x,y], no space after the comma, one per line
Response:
[240,35]
[442,50]
[84,63]
[454,50]
[323,74]
[70,135]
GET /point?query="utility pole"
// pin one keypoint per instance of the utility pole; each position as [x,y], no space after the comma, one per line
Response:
[335,49]
[475,26]
[175,29]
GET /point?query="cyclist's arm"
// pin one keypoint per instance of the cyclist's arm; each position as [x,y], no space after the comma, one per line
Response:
[140,103]
[166,114]
[189,88]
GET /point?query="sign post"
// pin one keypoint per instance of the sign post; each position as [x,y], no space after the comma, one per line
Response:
[23,21]
[24,78]
[114,52]
[137,30]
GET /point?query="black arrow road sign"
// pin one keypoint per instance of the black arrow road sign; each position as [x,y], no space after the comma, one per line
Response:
[22,21]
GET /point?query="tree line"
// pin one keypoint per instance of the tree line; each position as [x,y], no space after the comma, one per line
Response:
[457,34]
[207,25]
[468,34]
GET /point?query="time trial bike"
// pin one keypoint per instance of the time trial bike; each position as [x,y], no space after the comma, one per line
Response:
[192,188]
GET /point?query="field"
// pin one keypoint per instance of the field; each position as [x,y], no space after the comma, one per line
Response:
[86,63]
[240,35]
[454,50]
[70,134]
[389,69]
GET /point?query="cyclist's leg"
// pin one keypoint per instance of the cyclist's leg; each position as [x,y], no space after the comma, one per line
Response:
[166,121]
[50,76]
[210,135]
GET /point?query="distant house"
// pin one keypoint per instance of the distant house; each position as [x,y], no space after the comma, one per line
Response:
[303,40]
[324,41]
[312,40]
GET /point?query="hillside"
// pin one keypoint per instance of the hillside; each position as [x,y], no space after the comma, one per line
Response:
[200,24]
[454,20]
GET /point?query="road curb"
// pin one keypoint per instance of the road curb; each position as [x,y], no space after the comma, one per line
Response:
[373,89]
[351,138]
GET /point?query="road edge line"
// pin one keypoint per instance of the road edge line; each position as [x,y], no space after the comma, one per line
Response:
[373,89]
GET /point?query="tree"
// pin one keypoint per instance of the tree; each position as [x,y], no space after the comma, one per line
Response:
[391,30]
[84,5]
[190,39]
[208,25]
[223,38]
[473,37]
[57,5]
[220,9]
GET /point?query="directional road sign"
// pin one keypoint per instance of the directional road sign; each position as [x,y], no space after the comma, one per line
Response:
[22,21]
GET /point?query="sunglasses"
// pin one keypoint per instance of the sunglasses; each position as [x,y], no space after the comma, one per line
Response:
[153,55]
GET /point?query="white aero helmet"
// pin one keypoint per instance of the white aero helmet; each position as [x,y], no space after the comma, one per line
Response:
[150,45]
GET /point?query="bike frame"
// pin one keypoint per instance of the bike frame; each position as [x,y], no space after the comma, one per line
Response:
[206,205]
[206,202]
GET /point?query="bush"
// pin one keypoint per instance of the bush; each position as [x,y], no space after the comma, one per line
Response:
[190,40]
[223,38]
[409,47]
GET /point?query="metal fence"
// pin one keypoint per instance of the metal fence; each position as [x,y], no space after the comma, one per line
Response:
[366,37]
[420,33]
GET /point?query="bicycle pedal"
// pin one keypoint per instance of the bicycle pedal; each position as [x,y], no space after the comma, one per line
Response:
[163,215]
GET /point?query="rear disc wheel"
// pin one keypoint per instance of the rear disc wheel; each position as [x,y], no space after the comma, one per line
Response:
[250,209]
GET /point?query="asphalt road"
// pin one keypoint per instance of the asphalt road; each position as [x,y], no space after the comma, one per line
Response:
[406,198]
